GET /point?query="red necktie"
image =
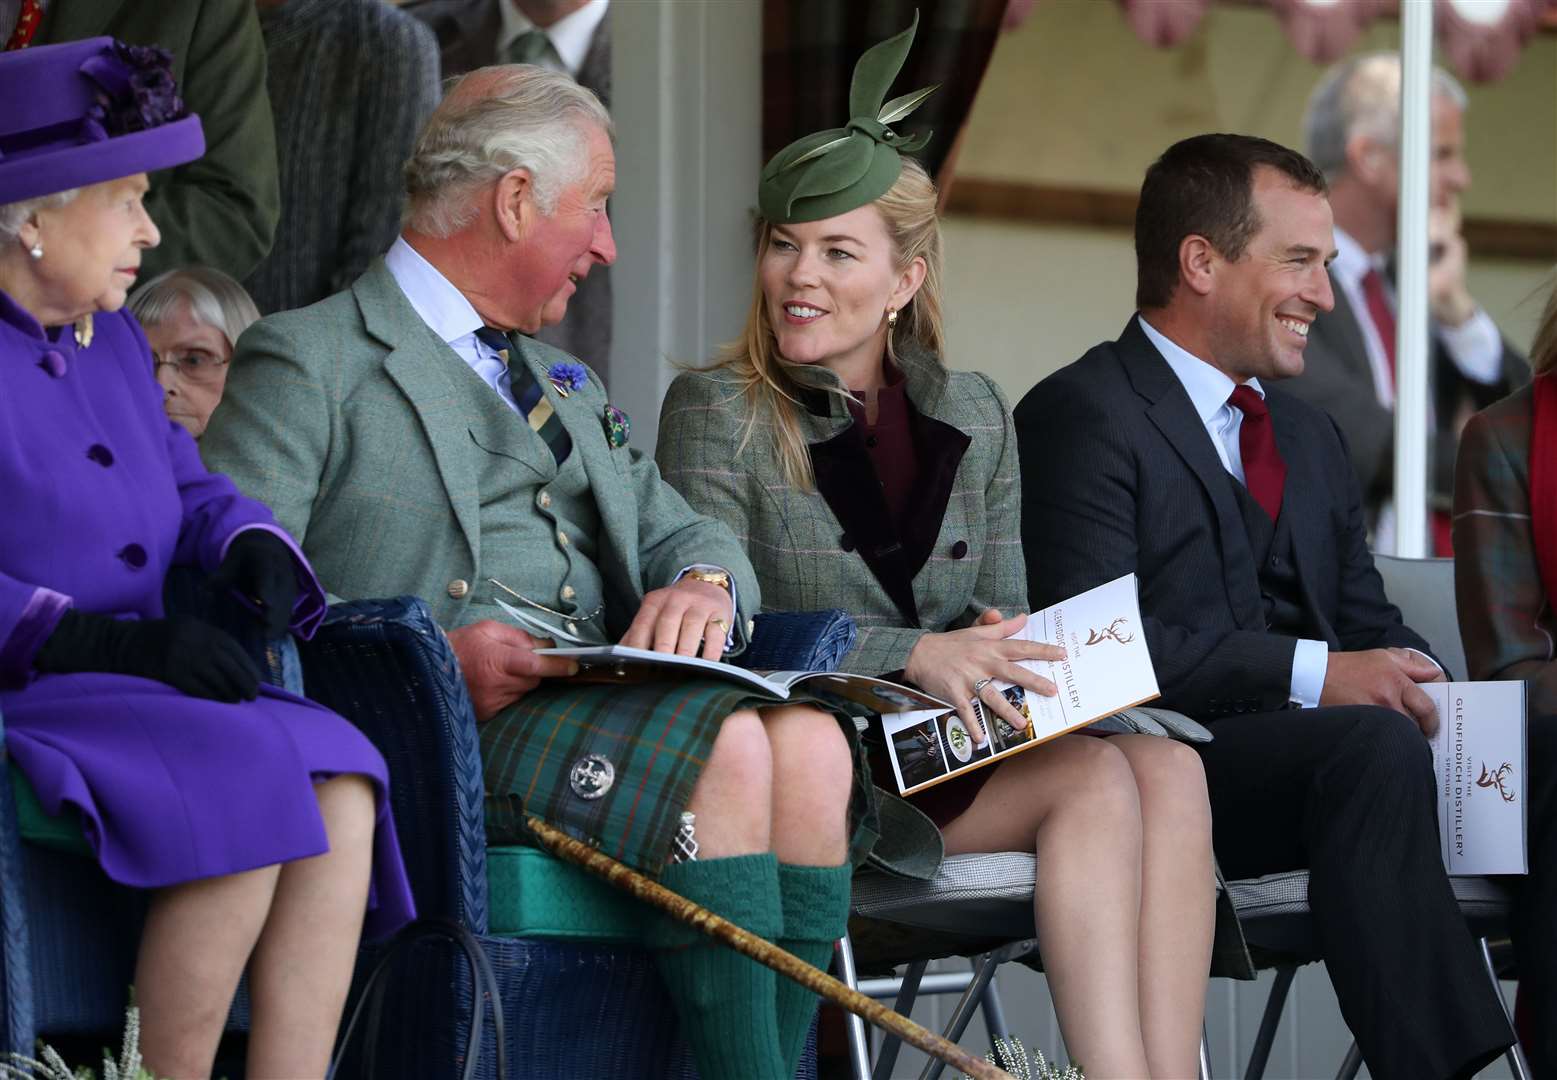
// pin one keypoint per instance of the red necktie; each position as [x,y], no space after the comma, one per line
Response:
[1264,473]
[1382,314]
[26,25]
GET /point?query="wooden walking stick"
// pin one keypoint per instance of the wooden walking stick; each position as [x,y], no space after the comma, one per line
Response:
[764,952]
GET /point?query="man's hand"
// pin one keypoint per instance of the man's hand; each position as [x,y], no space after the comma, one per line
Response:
[688,618]
[1450,300]
[1386,677]
[500,665]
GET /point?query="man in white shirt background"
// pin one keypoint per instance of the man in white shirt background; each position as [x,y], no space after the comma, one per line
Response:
[1351,128]
[570,36]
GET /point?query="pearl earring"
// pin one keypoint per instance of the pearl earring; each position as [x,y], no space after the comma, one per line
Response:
[36,251]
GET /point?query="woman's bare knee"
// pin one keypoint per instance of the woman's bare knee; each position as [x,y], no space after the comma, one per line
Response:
[1170,778]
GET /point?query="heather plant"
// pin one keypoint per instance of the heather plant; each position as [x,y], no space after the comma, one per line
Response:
[1010,1055]
[48,1065]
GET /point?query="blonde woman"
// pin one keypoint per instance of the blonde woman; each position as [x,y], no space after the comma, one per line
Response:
[864,474]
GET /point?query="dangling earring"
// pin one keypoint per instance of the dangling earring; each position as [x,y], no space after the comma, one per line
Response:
[36,251]
[891,318]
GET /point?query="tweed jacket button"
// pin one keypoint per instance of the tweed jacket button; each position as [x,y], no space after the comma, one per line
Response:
[959,549]
[568,592]
[572,627]
[458,588]
[543,500]
[101,454]
[53,362]
[562,538]
[591,776]
[134,556]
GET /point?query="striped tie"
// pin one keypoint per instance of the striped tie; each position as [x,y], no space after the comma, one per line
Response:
[532,402]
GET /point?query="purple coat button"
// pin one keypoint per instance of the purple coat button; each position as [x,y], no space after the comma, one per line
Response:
[134,556]
[53,362]
[101,454]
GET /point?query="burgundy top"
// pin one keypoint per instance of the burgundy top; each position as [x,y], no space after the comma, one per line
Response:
[890,443]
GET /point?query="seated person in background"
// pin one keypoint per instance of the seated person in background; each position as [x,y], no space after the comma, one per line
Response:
[865,475]
[1505,581]
[1171,453]
[416,441]
[1352,130]
[250,812]
[192,318]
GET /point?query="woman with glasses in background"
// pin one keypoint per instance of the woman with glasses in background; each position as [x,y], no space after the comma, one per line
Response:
[192,317]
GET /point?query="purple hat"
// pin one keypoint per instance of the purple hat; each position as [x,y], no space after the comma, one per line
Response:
[88,111]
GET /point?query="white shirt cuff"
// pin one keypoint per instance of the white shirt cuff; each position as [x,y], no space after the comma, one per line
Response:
[1310,661]
[735,608]
[1476,347]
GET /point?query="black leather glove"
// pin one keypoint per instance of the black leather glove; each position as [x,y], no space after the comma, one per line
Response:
[258,565]
[185,653]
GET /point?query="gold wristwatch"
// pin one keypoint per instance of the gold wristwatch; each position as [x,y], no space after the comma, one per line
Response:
[720,578]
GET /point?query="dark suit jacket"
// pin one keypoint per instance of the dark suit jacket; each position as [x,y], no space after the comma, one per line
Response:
[1119,475]
[222,209]
[468,31]
[1338,379]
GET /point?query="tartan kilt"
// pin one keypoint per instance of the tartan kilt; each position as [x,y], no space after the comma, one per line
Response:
[655,738]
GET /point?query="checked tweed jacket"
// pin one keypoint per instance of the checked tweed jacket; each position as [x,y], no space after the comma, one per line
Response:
[1506,620]
[837,547]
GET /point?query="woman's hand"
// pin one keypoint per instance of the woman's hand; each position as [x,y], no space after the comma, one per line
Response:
[947,665]
[185,653]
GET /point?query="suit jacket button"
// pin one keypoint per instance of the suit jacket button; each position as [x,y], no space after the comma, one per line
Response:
[846,542]
[751,627]
[959,549]
[458,588]
[543,500]
[572,628]
[562,538]
[568,592]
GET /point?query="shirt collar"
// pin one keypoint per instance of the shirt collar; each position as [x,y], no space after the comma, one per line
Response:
[1208,388]
[570,35]
[441,306]
[1351,261]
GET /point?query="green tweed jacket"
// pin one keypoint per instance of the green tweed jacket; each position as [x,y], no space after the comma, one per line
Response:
[367,436]
[837,546]
[1506,618]
[222,209]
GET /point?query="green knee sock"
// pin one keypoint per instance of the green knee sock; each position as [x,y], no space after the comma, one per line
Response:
[816,914]
[725,1001]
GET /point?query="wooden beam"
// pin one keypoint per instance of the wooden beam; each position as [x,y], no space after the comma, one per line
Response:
[1101,208]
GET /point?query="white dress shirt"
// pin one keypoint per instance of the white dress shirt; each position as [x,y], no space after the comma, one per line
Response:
[570,36]
[1208,391]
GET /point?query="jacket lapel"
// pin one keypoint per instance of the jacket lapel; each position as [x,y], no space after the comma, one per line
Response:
[940,448]
[1174,415]
[1339,334]
[418,364]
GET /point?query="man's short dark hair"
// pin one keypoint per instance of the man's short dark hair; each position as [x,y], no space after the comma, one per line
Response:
[1204,186]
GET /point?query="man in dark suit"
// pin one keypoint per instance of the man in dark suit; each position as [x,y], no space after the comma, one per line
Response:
[572,36]
[1352,130]
[1171,453]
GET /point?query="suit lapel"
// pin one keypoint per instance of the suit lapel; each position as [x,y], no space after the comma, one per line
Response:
[418,364]
[595,72]
[1174,415]
[1310,526]
[1340,335]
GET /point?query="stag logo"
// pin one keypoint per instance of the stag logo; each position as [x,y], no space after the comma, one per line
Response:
[1495,779]
[1111,632]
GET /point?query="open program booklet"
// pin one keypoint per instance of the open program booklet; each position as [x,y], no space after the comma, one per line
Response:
[1479,759]
[1107,669]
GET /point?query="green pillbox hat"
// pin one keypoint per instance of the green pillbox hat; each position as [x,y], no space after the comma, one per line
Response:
[833,172]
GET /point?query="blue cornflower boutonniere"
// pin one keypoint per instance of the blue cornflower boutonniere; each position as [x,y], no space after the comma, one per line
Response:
[617,427]
[567,376]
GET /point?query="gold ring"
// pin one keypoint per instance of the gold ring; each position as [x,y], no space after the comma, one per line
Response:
[717,621]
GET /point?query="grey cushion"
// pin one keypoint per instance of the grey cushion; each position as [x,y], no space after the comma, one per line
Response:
[991,894]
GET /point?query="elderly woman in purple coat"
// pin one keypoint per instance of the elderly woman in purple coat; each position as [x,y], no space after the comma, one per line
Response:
[259,820]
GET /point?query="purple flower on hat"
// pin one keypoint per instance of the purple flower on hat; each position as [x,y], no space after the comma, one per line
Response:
[567,376]
[137,91]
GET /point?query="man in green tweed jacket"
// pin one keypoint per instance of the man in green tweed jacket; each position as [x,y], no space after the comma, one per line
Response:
[414,440]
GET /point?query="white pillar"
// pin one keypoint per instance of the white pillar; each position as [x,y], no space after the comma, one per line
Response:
[687,101]
[1411,409]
